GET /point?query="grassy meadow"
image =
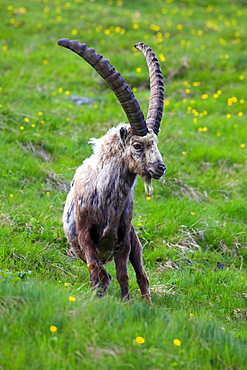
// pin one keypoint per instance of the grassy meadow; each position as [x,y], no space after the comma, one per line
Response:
[193,228]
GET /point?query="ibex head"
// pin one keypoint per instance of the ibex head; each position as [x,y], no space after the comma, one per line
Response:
[141,139]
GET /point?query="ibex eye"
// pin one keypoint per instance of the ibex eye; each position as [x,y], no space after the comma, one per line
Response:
[137,146]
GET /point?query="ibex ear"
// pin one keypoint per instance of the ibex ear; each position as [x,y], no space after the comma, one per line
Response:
[123,135]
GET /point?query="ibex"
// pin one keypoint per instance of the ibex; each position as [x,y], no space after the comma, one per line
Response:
[99,207]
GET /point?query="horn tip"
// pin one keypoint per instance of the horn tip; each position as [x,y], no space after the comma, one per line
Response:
[138,45]
[63,42]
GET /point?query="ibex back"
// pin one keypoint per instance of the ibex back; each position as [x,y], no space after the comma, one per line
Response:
[99,207]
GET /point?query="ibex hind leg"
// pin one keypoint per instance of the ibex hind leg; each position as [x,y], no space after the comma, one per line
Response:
[70,230]
[122,278]
[73,250]
[136,261]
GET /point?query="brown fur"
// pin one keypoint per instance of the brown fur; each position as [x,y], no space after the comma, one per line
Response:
[99,207]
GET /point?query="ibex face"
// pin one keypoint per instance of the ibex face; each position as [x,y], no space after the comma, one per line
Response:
[145,158]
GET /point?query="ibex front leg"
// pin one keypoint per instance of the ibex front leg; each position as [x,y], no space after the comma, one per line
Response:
[136,261]
[99,277]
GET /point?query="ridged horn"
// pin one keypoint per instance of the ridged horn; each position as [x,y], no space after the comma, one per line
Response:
[156,102]
[114,80]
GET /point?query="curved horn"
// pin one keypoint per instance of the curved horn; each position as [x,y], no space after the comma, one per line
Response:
[156,102]
[114,80]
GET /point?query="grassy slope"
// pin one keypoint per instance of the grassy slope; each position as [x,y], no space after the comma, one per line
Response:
[194,227]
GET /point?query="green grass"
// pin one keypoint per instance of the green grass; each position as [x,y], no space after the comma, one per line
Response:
[87,339]
[193,229]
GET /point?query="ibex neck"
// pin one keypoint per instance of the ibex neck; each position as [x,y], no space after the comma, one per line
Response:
[119,179]
[130,178]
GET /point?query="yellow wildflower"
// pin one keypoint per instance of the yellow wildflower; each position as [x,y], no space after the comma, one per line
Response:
[53,329]
[177,342]
[140,340]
